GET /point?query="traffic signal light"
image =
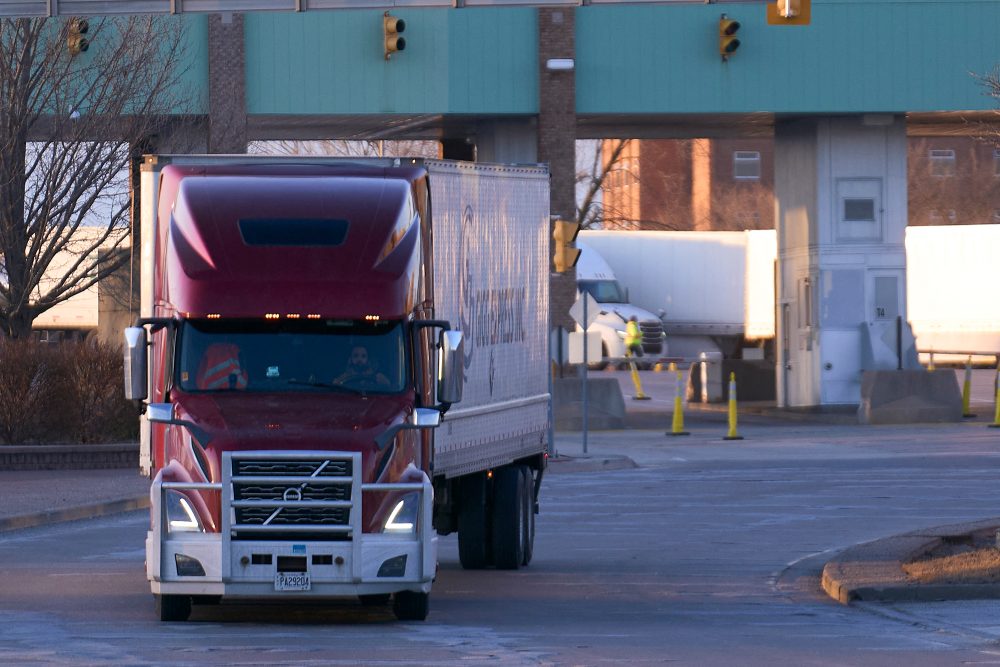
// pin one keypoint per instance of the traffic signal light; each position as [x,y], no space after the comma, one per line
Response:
[75,40]
[392,29]
[564,256]
[788,12]
[728,43]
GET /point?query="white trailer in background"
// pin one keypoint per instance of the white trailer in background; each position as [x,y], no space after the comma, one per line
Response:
[715,289]
[952,272]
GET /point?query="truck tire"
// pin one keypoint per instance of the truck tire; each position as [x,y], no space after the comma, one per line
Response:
[473,528]
[508,517]
[173,607]
[411,606]
[529,515]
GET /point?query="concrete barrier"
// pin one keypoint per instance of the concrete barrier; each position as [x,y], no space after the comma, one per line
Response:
[605,404]
[69,457]
[907,396]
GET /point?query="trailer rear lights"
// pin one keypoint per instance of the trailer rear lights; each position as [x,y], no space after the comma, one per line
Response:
[394,567]
[260,559]
[322,559]
[188,567]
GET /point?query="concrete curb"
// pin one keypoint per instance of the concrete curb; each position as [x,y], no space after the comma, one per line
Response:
[589,463]
[73,513]
[873,571]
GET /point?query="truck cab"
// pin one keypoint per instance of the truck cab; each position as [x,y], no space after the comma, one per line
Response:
[595,277]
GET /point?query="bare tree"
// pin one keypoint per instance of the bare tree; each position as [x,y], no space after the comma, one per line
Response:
[349,148]
[69,123]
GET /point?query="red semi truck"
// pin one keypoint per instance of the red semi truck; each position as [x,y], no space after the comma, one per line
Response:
[308,328]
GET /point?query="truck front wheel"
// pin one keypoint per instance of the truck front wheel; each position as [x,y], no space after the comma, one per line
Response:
[411,606]
[173,607]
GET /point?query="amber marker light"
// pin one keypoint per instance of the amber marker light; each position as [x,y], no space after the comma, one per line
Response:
[271,316]
[372,318]
[213,316]
[313,316]
[293,316]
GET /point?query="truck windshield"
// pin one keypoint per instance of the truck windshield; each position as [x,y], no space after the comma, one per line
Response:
[292,355]
[603,291]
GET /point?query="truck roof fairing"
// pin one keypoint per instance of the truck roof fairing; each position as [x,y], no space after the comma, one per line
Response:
[245,242]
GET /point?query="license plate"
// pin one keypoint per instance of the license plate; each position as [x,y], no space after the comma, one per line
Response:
[292,581]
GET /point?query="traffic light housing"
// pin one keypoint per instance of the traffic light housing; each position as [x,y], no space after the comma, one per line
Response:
[564,256]
[728,42]
[788,12]
[392,34]
[75,40]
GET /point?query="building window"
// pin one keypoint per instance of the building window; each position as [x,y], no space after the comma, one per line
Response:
[942,162]
[746,165]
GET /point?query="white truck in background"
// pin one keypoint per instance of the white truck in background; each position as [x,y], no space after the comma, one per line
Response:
[594,276]
[713,291]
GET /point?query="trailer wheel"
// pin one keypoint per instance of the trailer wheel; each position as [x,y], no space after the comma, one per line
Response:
[473,528]
[529,515]
[173,607]
[411,606]
[508,518]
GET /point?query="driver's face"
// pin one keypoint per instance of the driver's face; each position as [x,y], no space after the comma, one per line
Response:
[359,357]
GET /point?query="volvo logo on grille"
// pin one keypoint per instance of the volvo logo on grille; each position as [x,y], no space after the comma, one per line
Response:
[292,495]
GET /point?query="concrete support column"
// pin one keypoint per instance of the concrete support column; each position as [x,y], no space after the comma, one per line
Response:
[840,207]
[227,103]
[557,138]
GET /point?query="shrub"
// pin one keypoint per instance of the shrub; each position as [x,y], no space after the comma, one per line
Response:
[59,393]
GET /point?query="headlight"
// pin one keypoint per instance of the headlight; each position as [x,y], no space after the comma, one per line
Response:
[403,517]
[181,517]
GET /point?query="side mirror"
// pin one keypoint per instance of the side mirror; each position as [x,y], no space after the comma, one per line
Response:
[450,367]
[160,413]
[136,375]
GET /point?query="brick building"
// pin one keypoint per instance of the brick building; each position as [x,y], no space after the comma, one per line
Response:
[728,184]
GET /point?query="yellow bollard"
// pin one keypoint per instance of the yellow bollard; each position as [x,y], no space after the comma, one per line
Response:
[732,435]
[678,425]
[930,362]
[639,395]
[967,389]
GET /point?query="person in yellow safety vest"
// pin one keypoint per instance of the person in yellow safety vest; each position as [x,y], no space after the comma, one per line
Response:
[633,338]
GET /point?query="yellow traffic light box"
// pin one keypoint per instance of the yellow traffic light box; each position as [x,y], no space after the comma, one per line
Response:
[728,42]
[564,256]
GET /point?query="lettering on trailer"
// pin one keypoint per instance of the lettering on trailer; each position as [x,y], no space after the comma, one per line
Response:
[488,315]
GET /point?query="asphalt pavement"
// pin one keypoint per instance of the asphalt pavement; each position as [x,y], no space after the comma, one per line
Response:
[869,571]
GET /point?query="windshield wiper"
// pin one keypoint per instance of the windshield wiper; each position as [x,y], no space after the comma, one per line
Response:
[324,385]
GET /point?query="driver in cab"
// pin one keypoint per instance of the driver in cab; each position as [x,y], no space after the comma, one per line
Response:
[360,370]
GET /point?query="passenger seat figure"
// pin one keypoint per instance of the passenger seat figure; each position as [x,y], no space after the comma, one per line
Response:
[220,368]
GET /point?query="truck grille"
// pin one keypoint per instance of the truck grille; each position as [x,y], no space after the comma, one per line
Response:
[277,498]
[652,336]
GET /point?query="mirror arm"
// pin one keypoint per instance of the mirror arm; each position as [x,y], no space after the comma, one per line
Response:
[198,433]
[156,323]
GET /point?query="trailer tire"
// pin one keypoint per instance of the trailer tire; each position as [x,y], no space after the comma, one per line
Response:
[173,607]
[529,515]
[473,529]
[508,517]
[411,606]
